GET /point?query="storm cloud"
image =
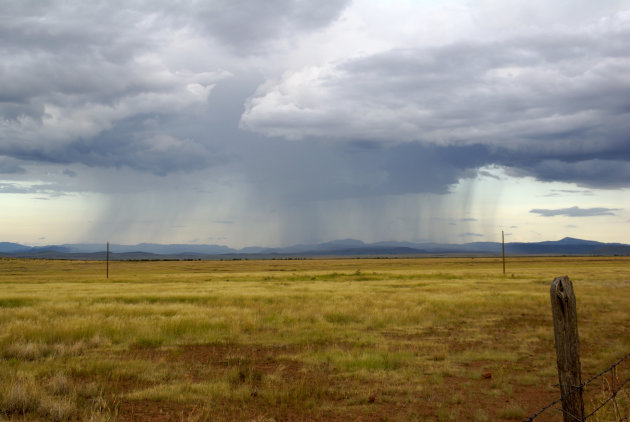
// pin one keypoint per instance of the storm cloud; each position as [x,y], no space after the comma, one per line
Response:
[297,116]
[554,105]
[244,25]
[10,166]
[107,86]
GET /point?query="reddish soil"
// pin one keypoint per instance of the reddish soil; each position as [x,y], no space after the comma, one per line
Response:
[341,402]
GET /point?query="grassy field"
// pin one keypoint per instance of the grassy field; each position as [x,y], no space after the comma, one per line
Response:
[300,340]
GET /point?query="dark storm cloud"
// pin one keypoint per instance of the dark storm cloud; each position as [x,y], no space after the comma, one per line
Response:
[160,88]
[10,166]
[593,173]
[76,75]
[575,212]
[245,24]
[418,168]
[502,94]
[55,50]
[314,170]
[128,144]
[69,173]
[553,105]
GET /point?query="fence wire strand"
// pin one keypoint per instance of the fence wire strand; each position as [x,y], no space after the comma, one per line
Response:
[581,387]
[613,395]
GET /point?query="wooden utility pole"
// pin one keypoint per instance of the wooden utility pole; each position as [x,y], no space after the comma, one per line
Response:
[503,250]
[567,348]
[107,259]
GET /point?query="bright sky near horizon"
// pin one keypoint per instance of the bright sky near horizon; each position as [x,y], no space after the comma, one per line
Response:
[280,122]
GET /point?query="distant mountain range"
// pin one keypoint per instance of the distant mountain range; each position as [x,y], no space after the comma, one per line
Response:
[336,248]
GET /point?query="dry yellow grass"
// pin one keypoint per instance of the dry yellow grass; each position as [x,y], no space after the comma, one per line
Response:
[373,339]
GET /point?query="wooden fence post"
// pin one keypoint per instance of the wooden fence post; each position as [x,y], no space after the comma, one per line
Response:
[503,250]
[567,348]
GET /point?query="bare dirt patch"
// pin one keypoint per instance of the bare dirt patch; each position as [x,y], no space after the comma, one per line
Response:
[340,398]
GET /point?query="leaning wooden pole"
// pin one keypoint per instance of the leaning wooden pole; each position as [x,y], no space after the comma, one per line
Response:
[567,348]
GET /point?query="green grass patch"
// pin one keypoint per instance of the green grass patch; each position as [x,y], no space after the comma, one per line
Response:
[16,302]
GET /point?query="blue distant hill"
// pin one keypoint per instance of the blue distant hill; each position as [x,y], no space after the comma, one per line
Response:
[7,247]
[345,247]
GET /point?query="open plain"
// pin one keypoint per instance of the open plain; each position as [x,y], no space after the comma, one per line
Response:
[422,339]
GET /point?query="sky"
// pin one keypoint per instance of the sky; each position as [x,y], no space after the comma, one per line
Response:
[278,122]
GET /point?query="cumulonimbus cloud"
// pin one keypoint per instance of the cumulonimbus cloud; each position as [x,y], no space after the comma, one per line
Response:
[532,100]
[68,84]
[512,94]
[75,76]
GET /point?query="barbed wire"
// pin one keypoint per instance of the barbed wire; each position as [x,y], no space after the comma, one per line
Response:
[580,387]
[610,368]
[544,409]
[613,395]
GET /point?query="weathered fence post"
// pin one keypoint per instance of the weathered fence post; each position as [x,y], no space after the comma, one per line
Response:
[503,250]
[107,270]
[567,348]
